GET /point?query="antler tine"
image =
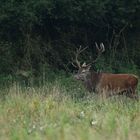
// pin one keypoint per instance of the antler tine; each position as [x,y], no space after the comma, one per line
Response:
[81,50]
[76,57]
[78,51]
[73,64]
[97,47]
[100,49]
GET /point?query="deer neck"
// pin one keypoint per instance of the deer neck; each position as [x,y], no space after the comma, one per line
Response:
[92,80]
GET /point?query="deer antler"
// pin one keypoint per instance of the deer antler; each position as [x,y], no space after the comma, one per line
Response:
[78,51]
[100,50]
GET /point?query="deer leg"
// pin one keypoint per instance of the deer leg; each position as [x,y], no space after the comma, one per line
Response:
[132,94]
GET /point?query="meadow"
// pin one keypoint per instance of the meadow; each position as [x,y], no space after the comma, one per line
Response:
[64,110]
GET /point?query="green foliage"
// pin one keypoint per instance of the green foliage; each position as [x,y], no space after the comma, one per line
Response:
[49,31]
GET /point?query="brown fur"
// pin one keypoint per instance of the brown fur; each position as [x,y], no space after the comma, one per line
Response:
[109,84]
[117,84]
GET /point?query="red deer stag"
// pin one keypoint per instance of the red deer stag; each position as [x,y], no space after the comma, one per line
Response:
[106,84]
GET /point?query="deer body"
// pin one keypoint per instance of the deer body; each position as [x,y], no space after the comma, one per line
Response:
[109,84]
[118,81]
[106,84]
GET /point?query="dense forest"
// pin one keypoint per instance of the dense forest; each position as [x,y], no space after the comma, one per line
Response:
[38,33]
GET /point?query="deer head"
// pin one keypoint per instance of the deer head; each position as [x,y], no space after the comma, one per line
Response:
[84,69]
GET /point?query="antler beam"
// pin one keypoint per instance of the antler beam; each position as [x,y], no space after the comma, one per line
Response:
[78,52]
[100,50]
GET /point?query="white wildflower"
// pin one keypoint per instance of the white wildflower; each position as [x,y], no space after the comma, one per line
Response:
[82,114]
[93,122]
[41,128]
[34,126]
[29,131]
[14,121]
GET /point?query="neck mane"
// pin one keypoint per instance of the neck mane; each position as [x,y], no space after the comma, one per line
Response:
[93,79]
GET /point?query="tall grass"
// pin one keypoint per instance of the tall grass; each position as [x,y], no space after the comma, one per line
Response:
[62,110]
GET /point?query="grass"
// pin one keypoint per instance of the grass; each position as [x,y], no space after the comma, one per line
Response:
[59,112]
